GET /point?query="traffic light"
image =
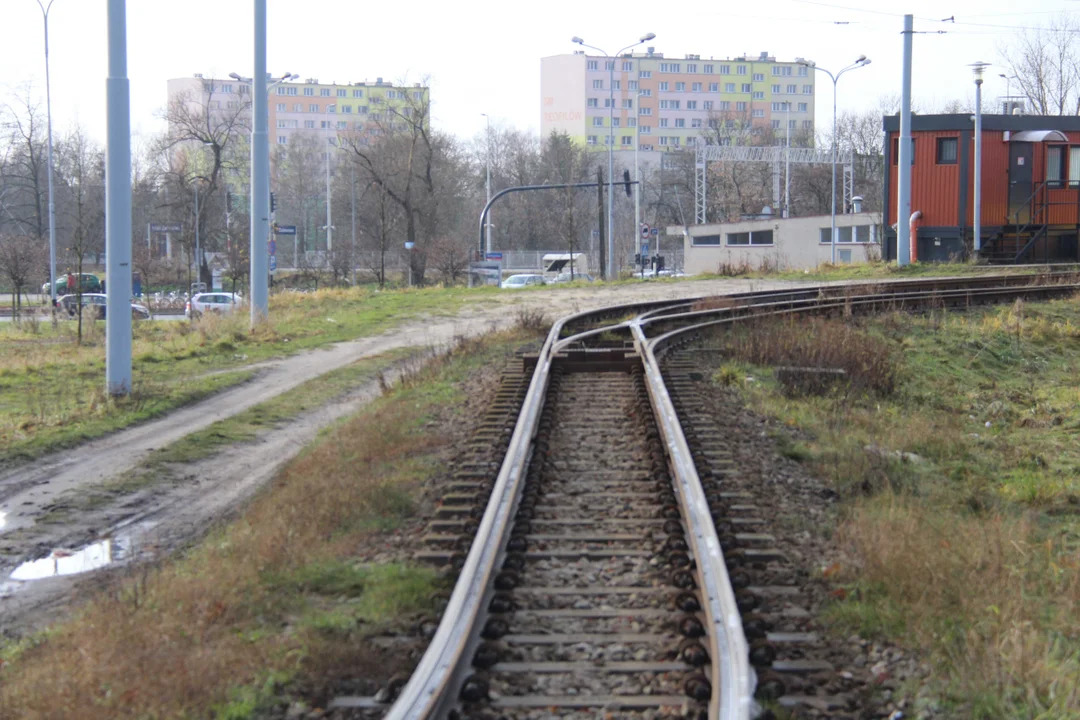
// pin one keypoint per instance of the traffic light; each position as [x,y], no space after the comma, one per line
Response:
[626,179]
[273,203]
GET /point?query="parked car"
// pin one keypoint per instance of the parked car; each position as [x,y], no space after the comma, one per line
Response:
[97,302]
[516,282]
[222,303]
[90,284]
[578,277]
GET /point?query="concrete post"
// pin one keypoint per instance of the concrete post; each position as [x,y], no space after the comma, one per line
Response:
[903,190]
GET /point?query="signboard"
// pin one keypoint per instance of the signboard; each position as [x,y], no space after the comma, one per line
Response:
[494,256]
[216,279]
[166,227]
[484,273]
[656,232]
[644,249]
[273,248]
[644,230]
[273,263]
[286,229]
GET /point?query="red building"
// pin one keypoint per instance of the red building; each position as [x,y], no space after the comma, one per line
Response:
[1030,187]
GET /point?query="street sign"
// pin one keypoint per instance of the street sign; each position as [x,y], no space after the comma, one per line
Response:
[273,263]
[166,227]
[644,249]
[494,256]
[644,230]
[273,248]
[286,229]
[656,232]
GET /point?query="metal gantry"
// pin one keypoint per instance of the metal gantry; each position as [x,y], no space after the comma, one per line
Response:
[763,154]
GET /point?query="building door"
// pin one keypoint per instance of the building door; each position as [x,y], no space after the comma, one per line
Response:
[1020,185]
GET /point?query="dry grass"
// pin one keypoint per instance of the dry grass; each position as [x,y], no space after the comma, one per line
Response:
[271,597]
[1015,652]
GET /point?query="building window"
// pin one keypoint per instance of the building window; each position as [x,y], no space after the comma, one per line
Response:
[775,124]
[665,104]
[645,74]
[680,87]
[803,71]
[696,122]
[592,64]
[729,87]
[358,93]
[705,240]
[342,92]
[725,69]
[607,139]
[807,89]
[628,104]
[776,89]
[754,237]
[746,87]
[791,124]
[628,67]
[691,68]
[663,140]
[759,95]
[740,106]
[707,105]
[342,124]
[308,92]
[608,65]
[309,124]
[778,107]
[615,122]
[591,102]
[631,122]
[627,140]
[591,140]
[298,107]
[663,122]
[946,151]
[708,70]
[691,104]
[363,109]
[714,87]
[281,107]
[792,89]
[598,122]
[647,92]
[331,108]
[616,85]
[313,108]
[607,102]
[808,124]
[725,105]
[1055,165]
[896,151]
[645,129]
[631,84]
[862,233]
[696,87]
[802,107]
[280,90]
[281,123]
[644,111]
[347,109]
[680,123]
[663,87]
[758,113]
[597,84]
[1074,166]
[759,77]
[740,70]
[670,67]
[281,139]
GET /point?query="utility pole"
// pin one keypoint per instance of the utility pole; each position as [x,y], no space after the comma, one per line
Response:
[977,224]
[260,176]
[352,248]
[118,207]
[903,190]
[600,208]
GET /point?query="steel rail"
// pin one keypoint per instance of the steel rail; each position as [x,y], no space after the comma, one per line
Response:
[432,690]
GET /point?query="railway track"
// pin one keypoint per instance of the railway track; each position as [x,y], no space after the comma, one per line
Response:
[616,562]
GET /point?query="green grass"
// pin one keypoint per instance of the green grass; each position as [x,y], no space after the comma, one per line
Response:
[887,271]
[961,515]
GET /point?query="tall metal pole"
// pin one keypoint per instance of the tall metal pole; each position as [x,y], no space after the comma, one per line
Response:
[637,175]
[329,227]
[260,175]
[118,207]
[977,223]
[352,248]
[903,190]
[52,202]
[832,193]
[787,165]
[487,162]
[198,265]
[610,270]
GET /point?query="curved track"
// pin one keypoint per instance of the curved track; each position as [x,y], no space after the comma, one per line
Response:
[597,576]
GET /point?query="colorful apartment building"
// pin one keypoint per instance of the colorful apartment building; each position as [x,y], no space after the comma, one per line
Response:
[669,103]
[304,106]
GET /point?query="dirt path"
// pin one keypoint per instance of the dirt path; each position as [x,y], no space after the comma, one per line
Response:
[153,522]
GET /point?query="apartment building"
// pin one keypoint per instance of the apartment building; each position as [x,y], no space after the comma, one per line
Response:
[303,106]
[670,103]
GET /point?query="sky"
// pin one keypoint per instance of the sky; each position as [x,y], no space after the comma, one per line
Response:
[483,56]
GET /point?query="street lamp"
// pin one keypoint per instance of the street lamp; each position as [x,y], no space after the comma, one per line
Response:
[487,162]
[52,203]
[330,109]
[637,175]
[978,68]
[862,61]
[610,269]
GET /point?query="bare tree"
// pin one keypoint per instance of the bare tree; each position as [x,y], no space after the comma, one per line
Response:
[24,167]
[1045,62]
[21,258]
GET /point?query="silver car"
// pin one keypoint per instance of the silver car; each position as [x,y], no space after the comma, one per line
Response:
[516,282]
[222,303]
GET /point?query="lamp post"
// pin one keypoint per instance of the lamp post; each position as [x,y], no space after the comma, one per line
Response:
[978,68]
[787,162]
[329,226]
[862,61]
[637,173]
[48,114]
[487,163]
[609,271]
[260,169]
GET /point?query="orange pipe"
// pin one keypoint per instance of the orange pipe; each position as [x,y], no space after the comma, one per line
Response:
[913,228]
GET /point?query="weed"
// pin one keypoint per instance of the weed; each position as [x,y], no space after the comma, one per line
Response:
[531,319]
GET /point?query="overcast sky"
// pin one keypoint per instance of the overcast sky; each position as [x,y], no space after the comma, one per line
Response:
[483,56]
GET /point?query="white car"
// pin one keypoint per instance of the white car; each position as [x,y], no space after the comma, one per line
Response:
[516,282]
[222,303]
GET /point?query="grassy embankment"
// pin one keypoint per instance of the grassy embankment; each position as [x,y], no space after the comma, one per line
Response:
[826,272]
[969,549]
[52,391]
[274,604]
